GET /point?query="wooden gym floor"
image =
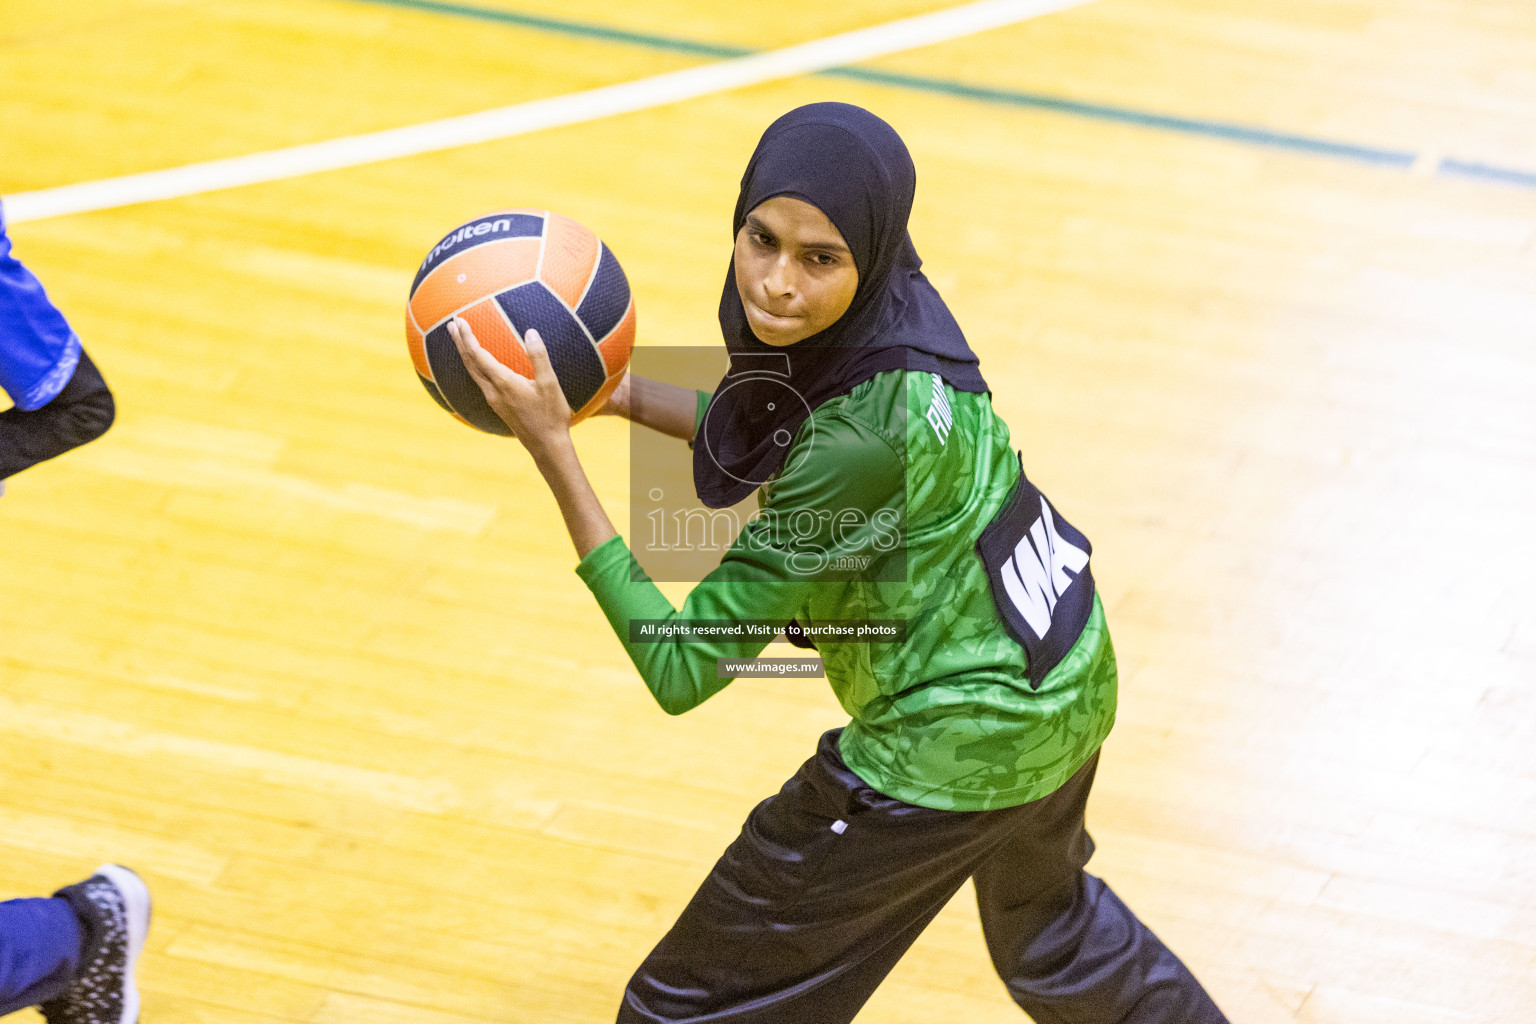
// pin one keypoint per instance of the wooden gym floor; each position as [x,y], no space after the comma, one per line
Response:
[311,656]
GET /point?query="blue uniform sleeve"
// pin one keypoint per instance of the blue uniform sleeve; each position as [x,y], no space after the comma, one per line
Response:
[38,350]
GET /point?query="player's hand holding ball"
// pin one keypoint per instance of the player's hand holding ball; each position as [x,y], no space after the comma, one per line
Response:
[618,402]
[502,276]
[534,410]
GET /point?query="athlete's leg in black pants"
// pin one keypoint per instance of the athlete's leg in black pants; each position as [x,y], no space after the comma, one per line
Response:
[830,882]
[1067,948]
[81,412]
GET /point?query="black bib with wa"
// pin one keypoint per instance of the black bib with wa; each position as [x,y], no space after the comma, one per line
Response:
[1037,564]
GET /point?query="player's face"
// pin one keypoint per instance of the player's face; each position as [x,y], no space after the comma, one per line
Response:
[793,270]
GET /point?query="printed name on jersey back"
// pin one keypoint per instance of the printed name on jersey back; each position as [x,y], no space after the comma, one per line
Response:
[939,415]
[1035,576]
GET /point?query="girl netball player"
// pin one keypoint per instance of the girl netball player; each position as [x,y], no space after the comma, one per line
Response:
[72,954]
[872,443]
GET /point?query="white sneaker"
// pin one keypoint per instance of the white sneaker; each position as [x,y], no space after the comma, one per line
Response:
[113,905]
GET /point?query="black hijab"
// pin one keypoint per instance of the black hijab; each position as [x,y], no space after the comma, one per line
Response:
[852,166]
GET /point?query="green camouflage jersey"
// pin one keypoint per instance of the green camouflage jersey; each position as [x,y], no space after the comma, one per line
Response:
[901,467]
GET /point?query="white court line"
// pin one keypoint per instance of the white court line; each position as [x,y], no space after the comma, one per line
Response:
[522,118]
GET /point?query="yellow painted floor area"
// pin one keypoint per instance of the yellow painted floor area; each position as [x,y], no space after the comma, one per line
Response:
[312,657]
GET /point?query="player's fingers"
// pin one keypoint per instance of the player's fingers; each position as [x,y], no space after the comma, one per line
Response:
[482,366]
[480,363]
[545,381]
[468,345]
[538,355]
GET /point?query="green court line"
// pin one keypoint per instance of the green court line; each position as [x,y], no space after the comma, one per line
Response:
[564,26]
[1227,131]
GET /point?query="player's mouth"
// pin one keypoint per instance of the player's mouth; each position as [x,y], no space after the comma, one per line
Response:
[772,321]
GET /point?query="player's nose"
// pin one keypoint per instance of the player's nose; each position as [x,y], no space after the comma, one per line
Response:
[779,280]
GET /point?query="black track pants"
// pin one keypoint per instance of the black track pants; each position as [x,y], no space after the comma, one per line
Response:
[830,882]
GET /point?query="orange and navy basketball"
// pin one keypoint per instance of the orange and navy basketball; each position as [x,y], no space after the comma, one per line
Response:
[504,273]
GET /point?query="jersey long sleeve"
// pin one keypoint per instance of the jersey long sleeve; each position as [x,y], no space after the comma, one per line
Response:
[820,510]
[38,349]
